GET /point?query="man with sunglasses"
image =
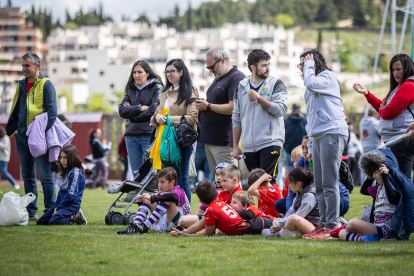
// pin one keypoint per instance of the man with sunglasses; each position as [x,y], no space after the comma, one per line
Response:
[216,110]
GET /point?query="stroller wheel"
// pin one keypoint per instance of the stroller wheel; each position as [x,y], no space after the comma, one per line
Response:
[128,218]
[115,218]
[107,216]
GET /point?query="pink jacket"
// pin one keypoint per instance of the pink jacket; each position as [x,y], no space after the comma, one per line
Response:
[53,140]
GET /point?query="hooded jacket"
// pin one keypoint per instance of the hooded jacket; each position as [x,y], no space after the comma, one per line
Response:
[138,122]
[295,129]
[260,128]
[71,191]
[403,219]
[326,114]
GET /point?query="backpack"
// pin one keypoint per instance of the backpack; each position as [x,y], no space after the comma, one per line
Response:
[170,149]
[346,176]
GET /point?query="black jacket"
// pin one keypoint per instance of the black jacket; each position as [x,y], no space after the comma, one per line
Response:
[138,122]
[294,130]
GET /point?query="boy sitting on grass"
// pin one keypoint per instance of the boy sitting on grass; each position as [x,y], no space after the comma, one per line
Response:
[220,215]
[267,194]
[243,203]
[166,207]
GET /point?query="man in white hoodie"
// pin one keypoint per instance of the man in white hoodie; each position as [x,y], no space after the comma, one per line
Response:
[368,127]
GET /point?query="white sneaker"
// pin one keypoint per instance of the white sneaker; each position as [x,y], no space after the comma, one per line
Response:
[267,233]
[342,220]
[290,234]
[17,186]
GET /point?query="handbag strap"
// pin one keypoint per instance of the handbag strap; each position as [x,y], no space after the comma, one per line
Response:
[169,120]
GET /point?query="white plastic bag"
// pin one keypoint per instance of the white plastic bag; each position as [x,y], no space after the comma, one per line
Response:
[13,209]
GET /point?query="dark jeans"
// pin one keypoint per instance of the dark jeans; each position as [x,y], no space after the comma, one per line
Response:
[404,152]
[266,159]
[201,163]
[5,173]
[125,162]
[28,165]
[62,217]
[182,173]
[280,206]
[355,170]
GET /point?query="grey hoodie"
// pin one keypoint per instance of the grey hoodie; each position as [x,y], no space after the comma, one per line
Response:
[368,127]
[324,109]
[260,128]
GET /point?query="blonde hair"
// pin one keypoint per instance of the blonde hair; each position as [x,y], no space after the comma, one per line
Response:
[297,152]
[231,171]
[245,198]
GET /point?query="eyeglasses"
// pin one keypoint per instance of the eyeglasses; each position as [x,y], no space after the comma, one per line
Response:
[171,72]
[212,66]
[300,65]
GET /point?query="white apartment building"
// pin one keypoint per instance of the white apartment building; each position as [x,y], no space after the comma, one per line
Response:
[99,58]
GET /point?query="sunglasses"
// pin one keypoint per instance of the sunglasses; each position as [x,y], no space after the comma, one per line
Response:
[300,65]
[212,66]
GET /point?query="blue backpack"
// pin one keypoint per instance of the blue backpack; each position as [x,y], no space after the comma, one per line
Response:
[170,148]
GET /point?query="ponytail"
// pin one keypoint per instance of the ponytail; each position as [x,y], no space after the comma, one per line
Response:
[301,174]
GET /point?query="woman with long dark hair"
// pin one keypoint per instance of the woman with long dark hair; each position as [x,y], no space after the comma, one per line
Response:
[138,105]
[397,109]
[328,132]
[177,96]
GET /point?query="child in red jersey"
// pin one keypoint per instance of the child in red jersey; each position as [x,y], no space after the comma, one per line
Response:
[220,215]
[243,203]
[230,181]
[267,194]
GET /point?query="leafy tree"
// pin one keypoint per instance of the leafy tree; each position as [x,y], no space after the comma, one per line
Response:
[70,26]
[285,19]
[98,102]
[9,3]
[143,18]
[358,13]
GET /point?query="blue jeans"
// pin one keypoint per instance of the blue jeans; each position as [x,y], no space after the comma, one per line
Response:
[201,164]
[280,205]
[28,165]
[343,206]
[136,147]
[62,217]
[182,173]
[5,173]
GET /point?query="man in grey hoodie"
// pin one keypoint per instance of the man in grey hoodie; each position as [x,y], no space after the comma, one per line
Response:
[259,107]
[368,127]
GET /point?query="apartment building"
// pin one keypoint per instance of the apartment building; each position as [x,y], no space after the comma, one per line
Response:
[99,58]
[16,39]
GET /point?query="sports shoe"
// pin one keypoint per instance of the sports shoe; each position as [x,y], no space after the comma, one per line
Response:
[335,232]
[128,230]
[343,220]
[371,238]
[325,233]
[17,186]
[33,218]
[267,233]
[140,227]
[313,232]
[286,233]
[80,218]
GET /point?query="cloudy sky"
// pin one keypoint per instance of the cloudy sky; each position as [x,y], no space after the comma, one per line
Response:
[115,8]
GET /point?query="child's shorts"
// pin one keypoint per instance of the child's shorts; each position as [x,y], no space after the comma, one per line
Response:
[257,225]
[383,224]
[162,225]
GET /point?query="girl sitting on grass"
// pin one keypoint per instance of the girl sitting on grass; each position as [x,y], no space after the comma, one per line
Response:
[392,218]
[303,216]
[66,209]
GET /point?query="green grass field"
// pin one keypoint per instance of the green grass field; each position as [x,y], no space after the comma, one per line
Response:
[96,249]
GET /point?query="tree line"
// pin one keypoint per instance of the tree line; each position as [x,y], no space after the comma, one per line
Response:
[214,14]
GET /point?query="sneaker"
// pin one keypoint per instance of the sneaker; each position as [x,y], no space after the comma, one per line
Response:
[267,233]
[335,232]
[140,227]
[371,238]
[180,228]
[313,232]
[343,220]
[80,218]
[325,233]
[33,217]
[286,233]
[128,230]
[17,186]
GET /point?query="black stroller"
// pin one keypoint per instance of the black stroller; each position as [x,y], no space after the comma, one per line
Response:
[144,181]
